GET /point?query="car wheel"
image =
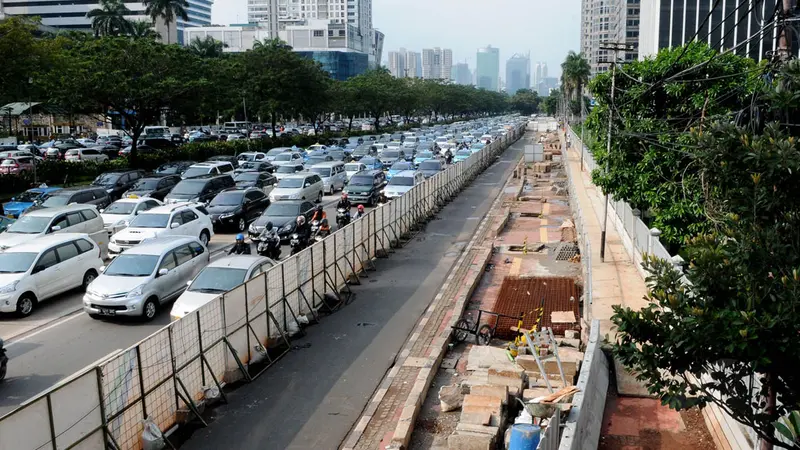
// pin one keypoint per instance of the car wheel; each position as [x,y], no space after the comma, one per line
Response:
[332,191]
[26,304]
[204,238]
[150,309]
[88,278]
[242,224]
[319,197]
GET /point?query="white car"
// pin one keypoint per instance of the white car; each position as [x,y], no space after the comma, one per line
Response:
[139,281]
[251,157]
[236,137]
[76,218]
[353,168]
[402,183]
[284,170]
[84,154]
[218,278]
[120,213]
[302,186]
[207,168]
[169,220]
[316,147]
[44,268]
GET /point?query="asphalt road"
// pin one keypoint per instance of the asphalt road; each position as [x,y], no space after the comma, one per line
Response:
[312,397]
[59,339]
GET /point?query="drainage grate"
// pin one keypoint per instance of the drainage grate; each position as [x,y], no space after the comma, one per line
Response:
[566,251]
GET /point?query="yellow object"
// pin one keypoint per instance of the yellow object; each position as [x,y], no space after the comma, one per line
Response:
[133,196]
[525,248]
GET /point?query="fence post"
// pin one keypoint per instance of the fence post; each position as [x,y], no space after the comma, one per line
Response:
[651,243]
[637,214]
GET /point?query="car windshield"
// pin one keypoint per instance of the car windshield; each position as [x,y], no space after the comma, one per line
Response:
[16,262]
[247,157]
[337,155]
[188,187]
[401,166]
[322,171]
[28,196]
[247,176]
[145,184]
[29,225]
[150,221]
[127,265]
[283,157]
[464,153]
[286,169]
[430,165]
[352,167]
[361,181]
[168,168]
[228,199]
[402,181]
[217,279]
[361,151]
[291,183]
[249,166]
[315,160]
[391,154]
[55,200]
[275,151]
[424,155]
[279,209]
[368,161]
[106,179]
[196,172]
[120,208]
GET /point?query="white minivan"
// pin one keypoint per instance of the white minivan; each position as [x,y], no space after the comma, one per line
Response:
[333,175]
[76,218]
[301,186]
[46,267]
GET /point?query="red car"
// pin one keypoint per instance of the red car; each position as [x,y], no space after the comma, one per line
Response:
[16,165]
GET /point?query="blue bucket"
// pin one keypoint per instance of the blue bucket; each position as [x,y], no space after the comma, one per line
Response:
[524,436]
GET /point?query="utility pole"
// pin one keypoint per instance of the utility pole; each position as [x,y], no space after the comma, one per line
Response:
[583,121]
[784,37]
[614,47]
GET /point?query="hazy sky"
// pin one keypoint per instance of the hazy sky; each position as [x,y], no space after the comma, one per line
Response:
[546,28]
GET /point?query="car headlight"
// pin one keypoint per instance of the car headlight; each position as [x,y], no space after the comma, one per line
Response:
[229,214]
[288,227]
[121,223]
[135,292]
[9,287]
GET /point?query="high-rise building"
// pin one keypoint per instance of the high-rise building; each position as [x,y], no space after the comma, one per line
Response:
[437,63]
[666,24]
[461,74]
[71,15]
[610,21]
[487,71]
[518,73]
[419,64]
[397,63]
[411,64]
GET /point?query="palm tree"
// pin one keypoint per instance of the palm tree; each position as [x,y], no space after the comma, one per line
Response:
[575,72]
[207,48]
[109,19]
[169,10]
[143,30]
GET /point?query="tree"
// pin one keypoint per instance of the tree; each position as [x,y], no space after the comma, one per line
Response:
[109,19]
[551,103]
[143,30]
[526,102]
[575,72]
[372,93]
[168,10]
[207,48]
[30,58]
[345,100]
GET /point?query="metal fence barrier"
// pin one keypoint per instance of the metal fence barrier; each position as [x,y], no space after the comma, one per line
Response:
[169,376]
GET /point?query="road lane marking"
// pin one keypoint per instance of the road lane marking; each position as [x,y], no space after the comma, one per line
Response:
[41,330]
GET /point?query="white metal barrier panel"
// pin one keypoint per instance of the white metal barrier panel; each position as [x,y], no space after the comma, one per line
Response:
[166,377]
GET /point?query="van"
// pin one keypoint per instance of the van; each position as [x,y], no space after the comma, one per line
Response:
[365,187]
[200,189]
[208,168]
[60,219]
[333,175]
[92,195]
[157,132]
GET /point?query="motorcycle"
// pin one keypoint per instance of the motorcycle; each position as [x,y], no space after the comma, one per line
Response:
[3,361]
[270,248]
[296,244]
[342,217]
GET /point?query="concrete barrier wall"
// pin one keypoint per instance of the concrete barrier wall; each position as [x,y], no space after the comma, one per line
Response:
[582,427]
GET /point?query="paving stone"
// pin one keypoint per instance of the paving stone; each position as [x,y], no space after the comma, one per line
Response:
[513,377]
[464,440]
[476,417]
[492,390]
[482,429]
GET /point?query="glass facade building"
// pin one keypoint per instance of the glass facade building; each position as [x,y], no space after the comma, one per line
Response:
[340,65]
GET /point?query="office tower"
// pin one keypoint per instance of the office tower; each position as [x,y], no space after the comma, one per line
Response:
[487,71]
[518,73]
[412,68]
[461,74]
[437,63]
[397,63]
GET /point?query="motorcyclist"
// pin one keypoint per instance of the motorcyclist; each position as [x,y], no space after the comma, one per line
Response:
[269,233]
[448,156]
[319,214]
[344,203]
[302,229]
[359,212]
[324,228]
[240,247]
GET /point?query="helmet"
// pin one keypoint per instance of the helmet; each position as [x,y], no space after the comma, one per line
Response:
[240,237]
[301,220]
[344,196]
[269,226]
[360,208]
[319,208]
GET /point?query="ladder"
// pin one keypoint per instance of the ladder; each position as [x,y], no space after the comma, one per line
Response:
[544,337]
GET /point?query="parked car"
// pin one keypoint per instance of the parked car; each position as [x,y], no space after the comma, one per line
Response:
[391,156]
[353,168]
[261,166]
[85,154]
[140,281]
[91,195]
[111,151]
[236,208]
[398,167]
[402,183]
[364,150]
[17,165]
[174,168]
[273,153]
[314,160]
[225,158]
[340,155]
[372,163]
[44,268]
[262,180]
[295,157]
[200,189]
[141,149]
[167,220]
[333,175]
[5,222]
[63,219]
[365,187]
[250,157]
[430,167]
[423,156]
[153,186]
[218,278]
[302,186]
[282,215]
[120,213]
[208,168]
[115,183]
[286,169]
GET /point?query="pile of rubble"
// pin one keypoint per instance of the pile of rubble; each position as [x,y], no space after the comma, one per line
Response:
[490,393]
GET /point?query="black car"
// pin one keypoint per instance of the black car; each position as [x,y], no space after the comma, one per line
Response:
[340,155]
[282,214]
[430,167]
[364,150]
[115,183]
[159,143]
[233,209]
[318,159]
[201,189]
[157,186]
[365,187]
[255,166]
[261,180]
[109,150]
[85,195]
[231,159]
[174,168]
[142,149]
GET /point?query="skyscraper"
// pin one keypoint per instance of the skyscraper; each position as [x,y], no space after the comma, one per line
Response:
[397,63]
[437,63]
[412,67]
[614,21]
[461,74]
[487,72]
[518,73]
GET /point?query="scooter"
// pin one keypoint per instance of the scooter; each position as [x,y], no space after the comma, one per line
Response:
[3,361]
[342,217]
[270,248]
[296,244]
